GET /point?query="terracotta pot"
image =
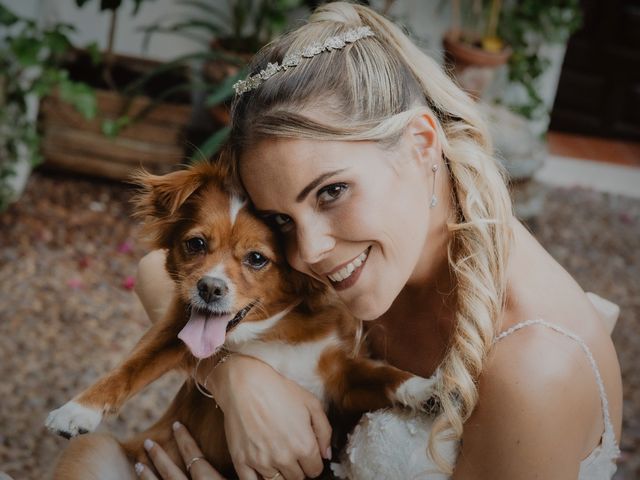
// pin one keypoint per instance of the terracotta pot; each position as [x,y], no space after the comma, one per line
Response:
[473,67]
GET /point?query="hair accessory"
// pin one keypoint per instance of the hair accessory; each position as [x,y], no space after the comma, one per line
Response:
[293,59]
[434,199]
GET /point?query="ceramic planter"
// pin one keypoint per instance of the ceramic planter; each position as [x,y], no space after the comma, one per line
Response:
[473,67]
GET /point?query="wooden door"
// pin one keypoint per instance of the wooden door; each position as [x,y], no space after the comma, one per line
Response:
[599,89]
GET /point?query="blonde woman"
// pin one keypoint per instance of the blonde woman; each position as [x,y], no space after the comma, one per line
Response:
[362,148]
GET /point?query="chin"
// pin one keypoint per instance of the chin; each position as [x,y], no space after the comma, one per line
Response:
[367,310]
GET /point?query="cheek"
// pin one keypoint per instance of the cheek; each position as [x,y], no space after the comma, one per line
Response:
[291,254]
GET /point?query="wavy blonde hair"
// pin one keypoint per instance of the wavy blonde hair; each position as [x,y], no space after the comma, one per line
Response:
[370,90]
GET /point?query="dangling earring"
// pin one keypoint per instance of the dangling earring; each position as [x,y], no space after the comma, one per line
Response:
[434,199]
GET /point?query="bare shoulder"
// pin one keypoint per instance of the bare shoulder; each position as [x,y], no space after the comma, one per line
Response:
[537,398]
[539,411]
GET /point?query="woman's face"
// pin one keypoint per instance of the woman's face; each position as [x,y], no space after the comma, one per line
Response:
[353,215]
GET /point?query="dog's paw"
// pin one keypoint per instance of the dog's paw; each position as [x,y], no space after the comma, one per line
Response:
[73,419]
[415,392]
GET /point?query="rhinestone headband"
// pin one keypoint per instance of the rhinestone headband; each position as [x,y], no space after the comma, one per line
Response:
[293,59]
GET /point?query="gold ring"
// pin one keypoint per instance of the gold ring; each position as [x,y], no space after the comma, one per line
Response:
[192,461]
[277,474]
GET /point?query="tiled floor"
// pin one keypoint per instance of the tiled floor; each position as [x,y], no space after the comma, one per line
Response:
[605,165]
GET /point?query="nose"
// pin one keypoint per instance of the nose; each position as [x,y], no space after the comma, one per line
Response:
[313,242]
[212,289]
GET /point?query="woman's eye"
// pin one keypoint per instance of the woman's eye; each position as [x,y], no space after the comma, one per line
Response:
[331,192]
[195,245]
[280,221]
[256,260]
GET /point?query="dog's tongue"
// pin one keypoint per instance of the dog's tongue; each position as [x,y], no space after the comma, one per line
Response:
[204,334]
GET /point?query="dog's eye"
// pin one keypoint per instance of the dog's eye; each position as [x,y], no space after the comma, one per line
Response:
[195,245]
[256,260]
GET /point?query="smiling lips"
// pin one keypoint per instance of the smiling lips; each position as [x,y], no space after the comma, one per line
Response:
[347,275]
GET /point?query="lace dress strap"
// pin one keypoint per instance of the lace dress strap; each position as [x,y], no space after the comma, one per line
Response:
[608,427]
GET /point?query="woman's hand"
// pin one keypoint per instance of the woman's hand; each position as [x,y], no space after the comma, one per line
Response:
[272,424]
[198,467]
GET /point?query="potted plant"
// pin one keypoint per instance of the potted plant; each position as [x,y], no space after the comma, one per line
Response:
[30,68]
[149,113]
[487,34]
[537,32]
[518,121]
[472,47]
[230,34]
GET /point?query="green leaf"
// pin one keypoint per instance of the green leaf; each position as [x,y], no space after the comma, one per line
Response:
[81,96]
[287,4]
[208,7]
[137,5]
[26,50]
[112,128]
[57,42]
[211,145]
[50,78]
[93,49]
[7,17]
[197,24]
[225,90]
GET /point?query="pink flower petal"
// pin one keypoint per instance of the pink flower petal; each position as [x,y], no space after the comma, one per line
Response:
[129,283]
[74,283]
[626,218]
[125,247]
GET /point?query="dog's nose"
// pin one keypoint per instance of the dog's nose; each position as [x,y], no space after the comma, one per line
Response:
[212,289]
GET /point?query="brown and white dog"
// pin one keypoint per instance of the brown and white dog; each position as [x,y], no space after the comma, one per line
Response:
[233,289]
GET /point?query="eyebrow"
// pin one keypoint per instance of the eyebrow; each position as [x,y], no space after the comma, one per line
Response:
[305,191]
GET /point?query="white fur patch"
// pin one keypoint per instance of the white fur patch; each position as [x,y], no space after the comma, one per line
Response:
[298,362]
[248,331]
[218,272]
[73,418]
[235,205]
[415,392]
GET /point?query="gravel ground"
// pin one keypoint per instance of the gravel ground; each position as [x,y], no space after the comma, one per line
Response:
[67,311]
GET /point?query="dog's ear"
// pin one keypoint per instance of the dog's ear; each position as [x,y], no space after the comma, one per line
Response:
[161,196]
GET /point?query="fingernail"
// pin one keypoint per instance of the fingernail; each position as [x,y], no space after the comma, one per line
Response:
[139,468]
[148,444]
[176,426]
[327,454]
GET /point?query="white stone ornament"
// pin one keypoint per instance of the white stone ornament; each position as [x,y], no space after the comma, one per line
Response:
[293,59]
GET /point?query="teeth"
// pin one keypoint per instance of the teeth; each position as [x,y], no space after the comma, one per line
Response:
[346,271]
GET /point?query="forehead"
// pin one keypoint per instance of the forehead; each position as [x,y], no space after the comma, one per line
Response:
[283,167]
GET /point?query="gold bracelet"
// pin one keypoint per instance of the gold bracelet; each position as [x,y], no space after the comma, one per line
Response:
[203,389]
